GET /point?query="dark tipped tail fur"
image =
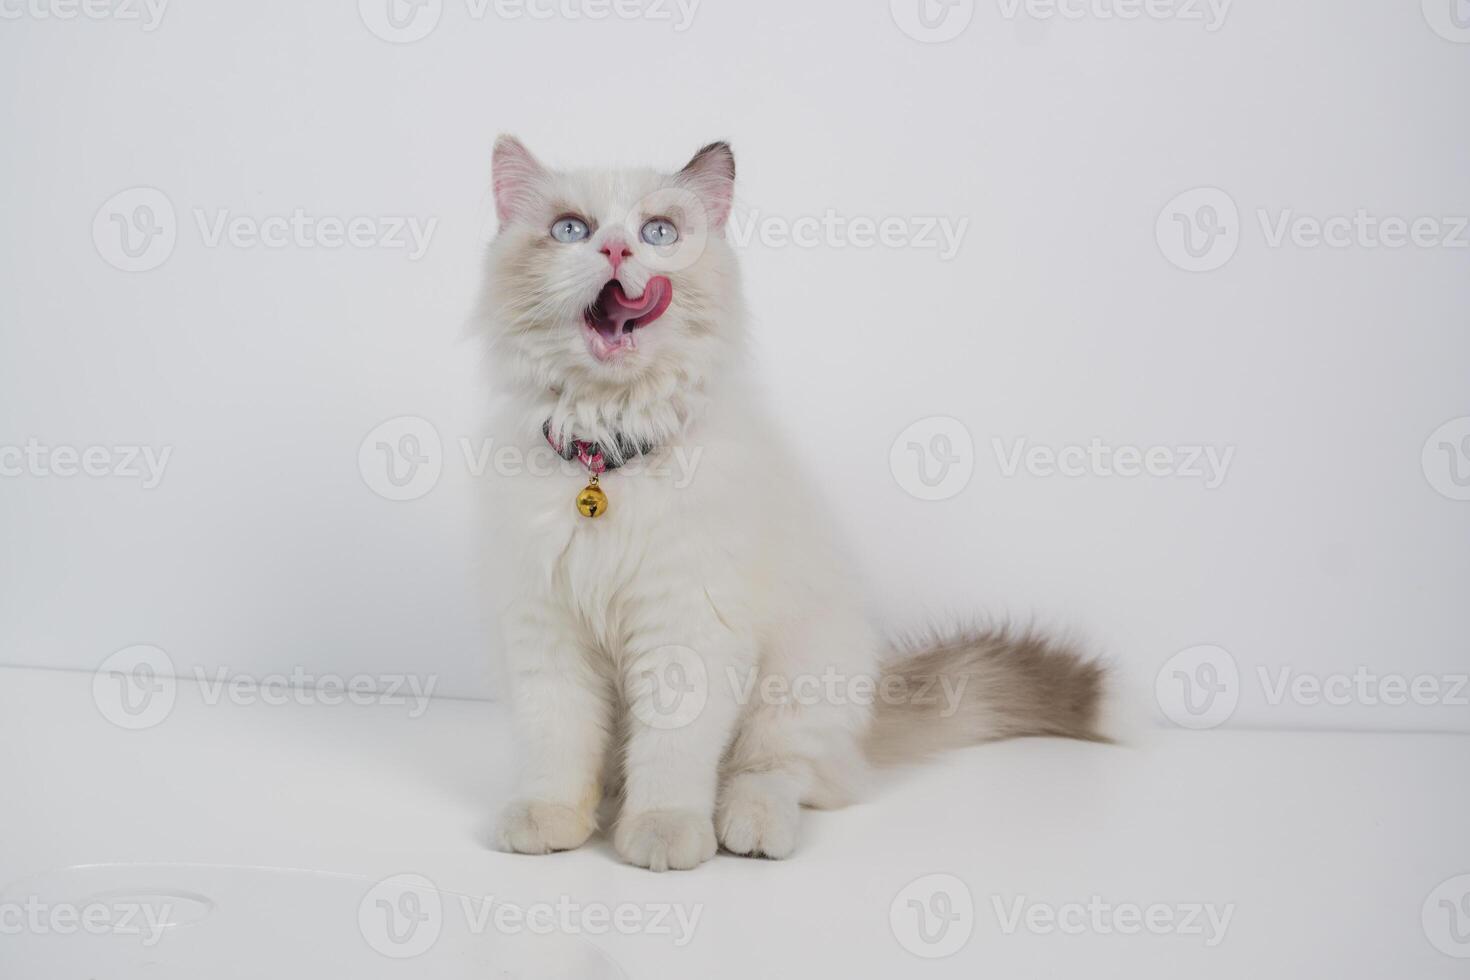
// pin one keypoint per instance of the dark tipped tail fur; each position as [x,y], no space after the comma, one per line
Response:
[982,685]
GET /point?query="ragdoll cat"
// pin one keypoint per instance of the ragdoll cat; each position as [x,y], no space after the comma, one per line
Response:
[676,586]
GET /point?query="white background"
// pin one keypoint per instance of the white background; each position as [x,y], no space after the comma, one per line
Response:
[1061,319]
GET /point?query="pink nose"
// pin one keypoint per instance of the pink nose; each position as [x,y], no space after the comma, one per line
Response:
[616,250]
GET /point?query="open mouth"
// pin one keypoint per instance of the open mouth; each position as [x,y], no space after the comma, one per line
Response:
[612,322]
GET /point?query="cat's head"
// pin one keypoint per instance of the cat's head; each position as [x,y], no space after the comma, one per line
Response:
[613,288]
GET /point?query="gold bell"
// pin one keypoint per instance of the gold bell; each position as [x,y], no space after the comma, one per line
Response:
[592,502]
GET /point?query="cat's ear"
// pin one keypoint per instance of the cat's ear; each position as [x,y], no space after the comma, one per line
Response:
[516,177]
[711,175]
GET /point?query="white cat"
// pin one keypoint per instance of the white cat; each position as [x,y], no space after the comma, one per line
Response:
[690,629]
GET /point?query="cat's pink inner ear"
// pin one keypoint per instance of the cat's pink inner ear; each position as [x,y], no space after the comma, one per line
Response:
[711,175]
[516,178]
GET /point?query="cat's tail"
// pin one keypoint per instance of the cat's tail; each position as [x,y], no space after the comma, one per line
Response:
[948,691]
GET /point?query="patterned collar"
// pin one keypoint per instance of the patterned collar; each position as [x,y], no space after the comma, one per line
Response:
[595,456]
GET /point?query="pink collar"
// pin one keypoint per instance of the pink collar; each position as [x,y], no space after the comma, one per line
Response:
[594,455]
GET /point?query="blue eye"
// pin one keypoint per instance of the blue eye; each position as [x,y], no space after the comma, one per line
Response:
[660,231]
[570,229]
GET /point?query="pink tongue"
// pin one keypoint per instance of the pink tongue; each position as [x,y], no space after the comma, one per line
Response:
[618,309]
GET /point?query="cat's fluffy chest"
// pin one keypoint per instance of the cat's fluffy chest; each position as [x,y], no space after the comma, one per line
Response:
[658,533]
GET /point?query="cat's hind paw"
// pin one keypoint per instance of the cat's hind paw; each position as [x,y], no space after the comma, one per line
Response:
[757,817]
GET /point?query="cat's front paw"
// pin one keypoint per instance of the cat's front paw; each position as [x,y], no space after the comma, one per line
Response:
[536,827]
[661,840]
